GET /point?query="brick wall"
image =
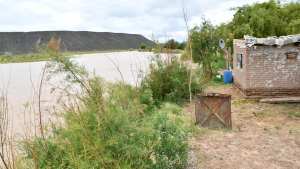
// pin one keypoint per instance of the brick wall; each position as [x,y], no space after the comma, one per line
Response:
[240,74]
[267,70]
[268,67]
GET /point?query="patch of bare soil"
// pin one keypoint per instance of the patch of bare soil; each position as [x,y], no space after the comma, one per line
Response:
[264,136]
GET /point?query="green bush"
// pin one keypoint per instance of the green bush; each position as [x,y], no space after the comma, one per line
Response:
[173,44]
[168,153]
[143,46]
[117,126]
[205,49]
[168,81]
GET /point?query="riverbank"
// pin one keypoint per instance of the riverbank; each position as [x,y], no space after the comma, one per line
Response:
[37,57]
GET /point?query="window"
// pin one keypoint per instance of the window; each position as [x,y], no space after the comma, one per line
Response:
[239,61]
[291,55]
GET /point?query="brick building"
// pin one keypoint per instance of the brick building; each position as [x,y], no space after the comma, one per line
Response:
[267,66]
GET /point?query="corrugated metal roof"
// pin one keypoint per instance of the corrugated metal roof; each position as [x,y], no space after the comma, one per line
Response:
[270,41]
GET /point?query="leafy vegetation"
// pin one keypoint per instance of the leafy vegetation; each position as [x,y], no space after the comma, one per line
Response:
[205,49]
[143,46]
[115,126]
[173,44]
[168,80]
[271,18]
[24,58]
[266,19]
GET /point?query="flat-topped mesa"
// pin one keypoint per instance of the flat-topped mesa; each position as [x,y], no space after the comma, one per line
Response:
[30,42]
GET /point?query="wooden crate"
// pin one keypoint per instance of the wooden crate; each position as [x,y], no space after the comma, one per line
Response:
[213,110]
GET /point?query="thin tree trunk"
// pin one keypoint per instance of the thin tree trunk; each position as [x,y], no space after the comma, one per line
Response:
[189,42]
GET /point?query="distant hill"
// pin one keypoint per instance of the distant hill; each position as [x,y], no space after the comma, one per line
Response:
[29,42]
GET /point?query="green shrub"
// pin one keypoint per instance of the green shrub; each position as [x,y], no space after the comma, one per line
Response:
[171,152]
[205,49]
[143,46]
[169,81]
[117,126]
[173,44]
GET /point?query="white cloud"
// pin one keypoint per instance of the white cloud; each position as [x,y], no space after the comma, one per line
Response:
[163,18]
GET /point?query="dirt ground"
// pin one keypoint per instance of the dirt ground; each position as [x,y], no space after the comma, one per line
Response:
[264,136]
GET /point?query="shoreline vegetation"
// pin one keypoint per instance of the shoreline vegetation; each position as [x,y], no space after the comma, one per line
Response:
[116,125]
[44,56]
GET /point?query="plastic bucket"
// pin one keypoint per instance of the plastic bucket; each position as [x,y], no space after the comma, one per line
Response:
[228,76]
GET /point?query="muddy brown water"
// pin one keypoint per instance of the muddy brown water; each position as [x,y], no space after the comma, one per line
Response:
[21,82]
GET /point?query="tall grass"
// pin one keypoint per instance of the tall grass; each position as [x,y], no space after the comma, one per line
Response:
[112,126]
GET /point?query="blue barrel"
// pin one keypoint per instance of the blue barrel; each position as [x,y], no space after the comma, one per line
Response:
[227,76]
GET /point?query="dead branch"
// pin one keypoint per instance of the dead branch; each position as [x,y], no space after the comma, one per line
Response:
[117,67]
[39,102]
[4,123]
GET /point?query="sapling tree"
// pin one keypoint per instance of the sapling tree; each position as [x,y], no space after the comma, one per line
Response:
[205,47]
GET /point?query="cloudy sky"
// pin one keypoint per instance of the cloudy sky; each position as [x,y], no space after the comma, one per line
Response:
[161,19]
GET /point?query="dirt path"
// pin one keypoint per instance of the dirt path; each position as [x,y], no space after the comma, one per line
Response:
[264,136]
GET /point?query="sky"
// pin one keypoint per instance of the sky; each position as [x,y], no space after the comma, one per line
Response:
[155,19]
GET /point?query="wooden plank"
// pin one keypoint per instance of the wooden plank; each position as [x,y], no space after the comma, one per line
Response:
[281,100]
